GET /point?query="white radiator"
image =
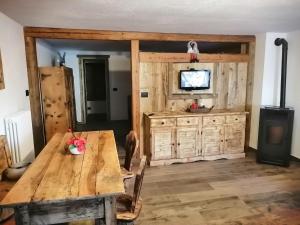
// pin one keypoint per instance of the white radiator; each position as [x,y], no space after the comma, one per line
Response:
[18,130]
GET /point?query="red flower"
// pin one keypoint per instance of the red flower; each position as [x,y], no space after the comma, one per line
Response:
[79,143]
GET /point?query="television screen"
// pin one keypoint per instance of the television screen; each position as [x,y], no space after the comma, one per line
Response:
[194,79]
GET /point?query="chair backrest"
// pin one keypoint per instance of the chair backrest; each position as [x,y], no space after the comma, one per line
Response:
[131,148]
[138,183]
[5,156]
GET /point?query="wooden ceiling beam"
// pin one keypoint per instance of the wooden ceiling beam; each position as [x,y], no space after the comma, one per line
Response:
[82,34]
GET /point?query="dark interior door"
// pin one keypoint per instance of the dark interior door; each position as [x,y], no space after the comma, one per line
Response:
[96,87]
[95,81]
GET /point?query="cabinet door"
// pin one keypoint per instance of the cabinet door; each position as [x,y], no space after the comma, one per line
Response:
[186,141]
[55,102]
[162,143]
[234,138]
[212,140]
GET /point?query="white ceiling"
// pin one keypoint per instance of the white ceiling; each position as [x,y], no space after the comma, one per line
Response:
[178,16]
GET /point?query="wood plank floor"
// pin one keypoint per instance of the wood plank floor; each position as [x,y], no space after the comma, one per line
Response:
[222,192]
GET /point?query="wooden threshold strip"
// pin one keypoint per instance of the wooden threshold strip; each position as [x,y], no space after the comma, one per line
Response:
[185,57]
[84,34]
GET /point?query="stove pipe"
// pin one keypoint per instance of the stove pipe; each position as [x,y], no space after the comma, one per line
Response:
[283,42]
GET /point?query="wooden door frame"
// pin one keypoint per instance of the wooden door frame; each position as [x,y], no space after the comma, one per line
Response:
[82,59]
[32,33]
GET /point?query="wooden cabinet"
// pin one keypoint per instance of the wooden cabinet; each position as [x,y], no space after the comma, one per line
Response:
[162,143]
[186,138]
[212,140]
[57,99]
[234,138]
[186,142]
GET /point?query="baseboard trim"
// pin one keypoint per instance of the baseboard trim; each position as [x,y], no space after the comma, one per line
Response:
[250,149]
[293,158]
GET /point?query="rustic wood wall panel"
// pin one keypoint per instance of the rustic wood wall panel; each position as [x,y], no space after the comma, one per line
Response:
[159,79]
[222,86]
[2,85]
[186,57]
[153,80]
[237,86]
[231,86]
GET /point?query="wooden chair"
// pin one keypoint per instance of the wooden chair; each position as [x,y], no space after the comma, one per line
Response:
[129,207]
[5,157]
[12,171]
[5,162]
[131,148]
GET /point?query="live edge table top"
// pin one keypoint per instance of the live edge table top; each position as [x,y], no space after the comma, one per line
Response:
[56,175]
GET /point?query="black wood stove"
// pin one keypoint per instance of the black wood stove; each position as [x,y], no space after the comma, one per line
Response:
[276,124]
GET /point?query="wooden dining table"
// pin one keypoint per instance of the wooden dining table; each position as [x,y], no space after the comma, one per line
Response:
[59,187]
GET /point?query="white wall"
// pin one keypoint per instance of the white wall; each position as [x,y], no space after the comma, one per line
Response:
[272,70]
[119,77]
[46,54]
[267,76]
[267,73]
[293,88]
[12,98]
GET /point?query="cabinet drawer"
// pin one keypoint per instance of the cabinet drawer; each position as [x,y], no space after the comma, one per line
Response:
[187,121]
[163,122]
[236,119]
[213,120]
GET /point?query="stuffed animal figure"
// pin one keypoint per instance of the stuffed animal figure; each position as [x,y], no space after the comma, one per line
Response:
[192,47]
[193,50]
[61,60]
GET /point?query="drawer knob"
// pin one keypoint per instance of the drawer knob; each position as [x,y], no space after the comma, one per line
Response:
[178,144]
[214,120]
[188,121]
[236,118]
[222,140]
[162,123]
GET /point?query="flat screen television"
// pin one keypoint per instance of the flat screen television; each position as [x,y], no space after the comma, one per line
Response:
[194,79]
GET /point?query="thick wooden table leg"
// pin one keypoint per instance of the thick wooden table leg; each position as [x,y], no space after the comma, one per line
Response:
[22,215]
[110,210]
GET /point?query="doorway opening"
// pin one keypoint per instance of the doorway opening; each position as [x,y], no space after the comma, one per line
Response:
[101,72]
[94,85]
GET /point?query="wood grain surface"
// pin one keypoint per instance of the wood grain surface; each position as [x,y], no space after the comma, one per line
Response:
[57,99]
[2,85]
[85,34]
[57,176]
[222,192]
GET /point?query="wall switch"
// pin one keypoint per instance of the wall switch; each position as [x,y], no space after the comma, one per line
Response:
[144,94]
